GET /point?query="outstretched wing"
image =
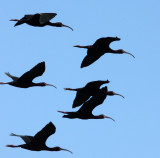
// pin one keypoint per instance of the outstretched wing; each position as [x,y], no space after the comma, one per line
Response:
[36,71]
[45,17]
[26,17]
[96,100]
[40,138]
[103,43]
[91,57]
[80,98]
[14,78]
[26,139]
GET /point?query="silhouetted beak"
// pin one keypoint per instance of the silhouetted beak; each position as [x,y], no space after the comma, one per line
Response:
[118,94]
[67,26]
[109,118]
[50,85]
[66,150]
[129,53]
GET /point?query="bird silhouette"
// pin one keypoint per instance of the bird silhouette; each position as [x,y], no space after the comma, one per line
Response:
[37,142]
[99,48]
[85,111]
[84,93]
[40,20]
[25,80]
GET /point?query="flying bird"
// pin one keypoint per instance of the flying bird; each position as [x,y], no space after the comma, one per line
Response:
[25,80]
[37,142]
[40,20]
[99,48]
[85,111]
[84,93]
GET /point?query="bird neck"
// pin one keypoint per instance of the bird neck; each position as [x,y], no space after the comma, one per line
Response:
[119,51]
[87,47]
[54,24]
[38,84]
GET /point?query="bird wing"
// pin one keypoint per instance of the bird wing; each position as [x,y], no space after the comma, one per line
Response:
[14,78]
[26,139]
[41,137]
[96,100]
[45,17]
[91,57]
[80,98]
[36,71]
[103,43]
[26,17]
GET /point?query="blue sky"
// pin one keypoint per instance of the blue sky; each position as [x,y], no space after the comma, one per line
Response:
[25,111]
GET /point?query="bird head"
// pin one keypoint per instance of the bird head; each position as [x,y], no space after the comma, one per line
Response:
[57,148]
[103,116]
[59,24]
[45,84]
[121,51]
[111,93]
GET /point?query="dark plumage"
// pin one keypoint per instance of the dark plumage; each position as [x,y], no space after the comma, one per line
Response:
[85,112]
[25,80]
[37,142]
[40,20]
[84,93]
[99,48]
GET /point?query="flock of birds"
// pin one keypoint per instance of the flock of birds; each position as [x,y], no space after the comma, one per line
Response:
[88,97]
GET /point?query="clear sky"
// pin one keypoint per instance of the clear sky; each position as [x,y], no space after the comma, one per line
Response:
[135,134]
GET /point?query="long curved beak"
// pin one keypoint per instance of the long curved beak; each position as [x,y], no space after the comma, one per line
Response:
[118,94]
[67,26]
[110,118]
[50,85]
[67,150]
[129,53]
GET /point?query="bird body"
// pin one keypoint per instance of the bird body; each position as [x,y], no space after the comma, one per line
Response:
[85,112]
[39,20]
[98,49]
[84,93]
[25,80]
[37,142]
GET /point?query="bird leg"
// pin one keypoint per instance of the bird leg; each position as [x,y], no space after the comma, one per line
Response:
[15,20]
[13,146]
[63,112]
[70,89]
[3,83]
[90,46]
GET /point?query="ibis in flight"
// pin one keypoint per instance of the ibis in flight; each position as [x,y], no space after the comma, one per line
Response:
[85,111]
[38,142]
[99,48]
[25,80]
[84,93]
[40,20]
